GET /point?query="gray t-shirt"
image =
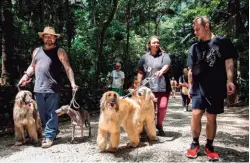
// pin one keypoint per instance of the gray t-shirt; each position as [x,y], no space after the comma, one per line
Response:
[47,71]
[149,64]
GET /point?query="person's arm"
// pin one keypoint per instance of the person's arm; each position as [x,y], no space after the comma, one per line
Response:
[29,72]
[122,79]
[139,78]
[140,70]
[63,57]
[229,63]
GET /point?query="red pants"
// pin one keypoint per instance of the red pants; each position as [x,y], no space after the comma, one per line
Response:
[162,104]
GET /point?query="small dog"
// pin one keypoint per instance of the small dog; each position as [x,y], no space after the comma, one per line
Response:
[145,98]
[26,118]
[115,112]
[78,118]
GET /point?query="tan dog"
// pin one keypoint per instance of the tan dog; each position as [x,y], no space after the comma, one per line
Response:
[78,118]
[26,118]
[115,112]
[145,98]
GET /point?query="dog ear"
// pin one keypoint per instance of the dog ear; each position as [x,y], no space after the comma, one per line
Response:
[117,101]
[103,101]
[150,96]
[19,98]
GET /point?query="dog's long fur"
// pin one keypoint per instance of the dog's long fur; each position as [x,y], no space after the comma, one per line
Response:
[26,118]
[78,118]
[115,112]
[145,98]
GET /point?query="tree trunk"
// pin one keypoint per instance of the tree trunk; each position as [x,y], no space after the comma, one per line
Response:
[7,41]
[101,38]
[237,29]
[42,13]
[126,57]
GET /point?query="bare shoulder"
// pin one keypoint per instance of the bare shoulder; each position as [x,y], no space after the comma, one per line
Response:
[62,54]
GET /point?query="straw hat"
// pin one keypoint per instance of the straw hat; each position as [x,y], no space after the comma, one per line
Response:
[48,30]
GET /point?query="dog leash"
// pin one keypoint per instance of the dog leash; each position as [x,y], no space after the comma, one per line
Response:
[18,88]
[144,82]
[73,101]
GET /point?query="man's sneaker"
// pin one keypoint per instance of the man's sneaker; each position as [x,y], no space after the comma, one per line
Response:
[184,109]
[47,143]
[211,154]
[193,151]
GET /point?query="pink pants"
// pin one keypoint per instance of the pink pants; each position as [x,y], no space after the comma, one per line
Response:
[162,104]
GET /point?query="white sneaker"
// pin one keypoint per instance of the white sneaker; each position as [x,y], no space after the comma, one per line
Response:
[184,109]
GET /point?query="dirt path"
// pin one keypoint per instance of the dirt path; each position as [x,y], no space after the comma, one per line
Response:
[232,142]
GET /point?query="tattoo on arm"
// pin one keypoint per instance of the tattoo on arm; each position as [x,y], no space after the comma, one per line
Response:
[229,69]
[65,61]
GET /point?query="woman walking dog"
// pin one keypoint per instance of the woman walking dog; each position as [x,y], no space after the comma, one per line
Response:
[156,63]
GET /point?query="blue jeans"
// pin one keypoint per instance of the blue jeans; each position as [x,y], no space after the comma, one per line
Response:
[47,103]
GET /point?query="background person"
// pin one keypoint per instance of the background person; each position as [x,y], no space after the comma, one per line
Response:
[183,83]
[116,80]
[173,84]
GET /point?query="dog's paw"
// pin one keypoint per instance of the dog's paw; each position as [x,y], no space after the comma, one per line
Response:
[153,138]
[132,145]
[19,143]
[111,150]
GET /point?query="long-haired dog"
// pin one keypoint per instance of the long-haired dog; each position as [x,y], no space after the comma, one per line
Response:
[78,118]
[26,118]
[146,114]
[116,111]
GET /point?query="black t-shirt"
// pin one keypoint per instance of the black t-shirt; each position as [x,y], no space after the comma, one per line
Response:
[149,64]
[212,83]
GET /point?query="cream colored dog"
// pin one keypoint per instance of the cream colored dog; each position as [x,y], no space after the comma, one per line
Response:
[115,112]
[146,116]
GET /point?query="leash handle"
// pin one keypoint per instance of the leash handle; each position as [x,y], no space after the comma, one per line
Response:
[73,101]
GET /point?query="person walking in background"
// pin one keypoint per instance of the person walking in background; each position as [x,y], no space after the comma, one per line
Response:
[173,84]
[156,63]
[183,83]
[46,64]
[116,80]
[210,79]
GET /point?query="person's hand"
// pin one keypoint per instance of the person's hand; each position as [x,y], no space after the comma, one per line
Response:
[138,84]
[74,87]
[158,73]
[230,88]
[105,88]
[24,80]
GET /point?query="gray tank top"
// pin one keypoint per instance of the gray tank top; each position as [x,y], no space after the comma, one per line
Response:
[47,71]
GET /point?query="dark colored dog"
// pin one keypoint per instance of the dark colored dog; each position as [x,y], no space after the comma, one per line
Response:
[78,118]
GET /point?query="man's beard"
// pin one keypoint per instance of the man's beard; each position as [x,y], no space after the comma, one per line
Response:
[49,43]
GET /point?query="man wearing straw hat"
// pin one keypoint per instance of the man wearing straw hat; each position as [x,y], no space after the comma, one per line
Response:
[46,64]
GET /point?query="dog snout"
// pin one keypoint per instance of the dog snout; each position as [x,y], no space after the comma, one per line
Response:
[139,94]
[113,100]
